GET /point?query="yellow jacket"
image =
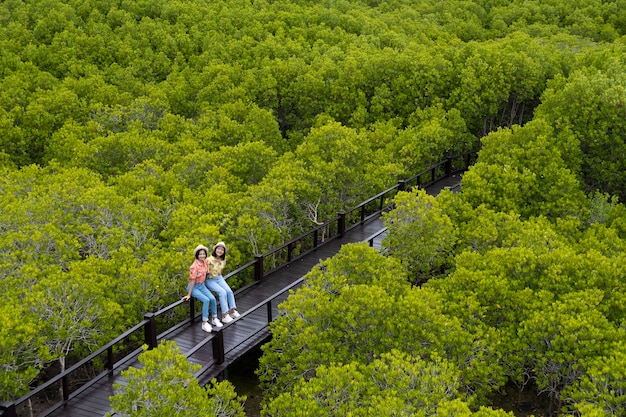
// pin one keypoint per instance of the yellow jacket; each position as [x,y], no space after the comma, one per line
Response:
[215,267]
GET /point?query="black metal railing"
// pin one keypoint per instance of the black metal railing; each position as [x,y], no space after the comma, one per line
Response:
[257,269]
[263,309]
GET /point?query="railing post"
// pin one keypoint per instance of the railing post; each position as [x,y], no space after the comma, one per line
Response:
[192,309]
[258,267]
[65,388]
[315,238]
[218,347]
[401,185]
[150,332]
[448,166]
[341,224]
[8,409]
[270,316]
[110,360]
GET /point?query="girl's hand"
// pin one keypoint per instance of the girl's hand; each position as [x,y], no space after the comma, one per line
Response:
[186,298]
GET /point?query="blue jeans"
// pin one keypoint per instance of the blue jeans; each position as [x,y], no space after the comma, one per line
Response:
[203,294]
[224,293]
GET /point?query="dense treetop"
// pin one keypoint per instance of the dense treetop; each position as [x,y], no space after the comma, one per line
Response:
[131,131]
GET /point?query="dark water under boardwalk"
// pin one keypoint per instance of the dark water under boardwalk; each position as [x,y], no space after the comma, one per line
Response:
[241,374]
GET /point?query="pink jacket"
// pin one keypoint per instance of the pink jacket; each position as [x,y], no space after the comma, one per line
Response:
[197,271]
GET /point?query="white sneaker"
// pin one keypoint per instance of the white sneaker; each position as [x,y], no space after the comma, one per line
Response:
[235,314]
[207,327]
[216,322]
[227,319]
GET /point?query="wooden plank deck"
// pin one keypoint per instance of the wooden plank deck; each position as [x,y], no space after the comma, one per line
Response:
[240,336]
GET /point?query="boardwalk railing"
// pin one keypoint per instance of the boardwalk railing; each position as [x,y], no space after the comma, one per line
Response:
[264,308]
[116,353]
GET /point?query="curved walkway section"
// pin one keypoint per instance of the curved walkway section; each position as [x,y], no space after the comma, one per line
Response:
[217,350]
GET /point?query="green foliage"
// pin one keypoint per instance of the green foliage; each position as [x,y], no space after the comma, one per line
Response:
[420,234]
[351,327]
[602,389]
[601,206]
[433,133]
[23,351]
[554,303]
[522,171]
[321,178]
[588,110]
[587,18]
[562,336]
[305,336]
[131,131]
[239,123]
[64,230]
[165,385]
[74,311]
[395,384]
[617,220]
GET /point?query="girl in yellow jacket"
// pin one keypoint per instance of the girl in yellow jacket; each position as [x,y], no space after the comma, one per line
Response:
[197,289]
[216,283]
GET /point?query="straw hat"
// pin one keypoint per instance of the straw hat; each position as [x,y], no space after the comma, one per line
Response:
[198,248]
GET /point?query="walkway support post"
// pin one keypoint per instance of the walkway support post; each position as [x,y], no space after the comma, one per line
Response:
[270,317]
[341,224]
[192,309]
[8,409]
[218,347]
[150,332]
[290,252]
[258,267]
[65,387]
[110,360]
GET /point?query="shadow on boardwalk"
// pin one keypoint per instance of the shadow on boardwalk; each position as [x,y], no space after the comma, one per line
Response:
[241,335]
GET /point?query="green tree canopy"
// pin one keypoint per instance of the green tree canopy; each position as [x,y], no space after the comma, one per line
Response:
[521,170]
[420,234]
[395,384]
[588,116]
[165,385]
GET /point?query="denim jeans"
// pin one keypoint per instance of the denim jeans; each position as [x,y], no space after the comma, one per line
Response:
[203,294]
[224,293]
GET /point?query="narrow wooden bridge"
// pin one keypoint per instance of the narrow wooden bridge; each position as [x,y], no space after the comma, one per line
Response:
[271,276]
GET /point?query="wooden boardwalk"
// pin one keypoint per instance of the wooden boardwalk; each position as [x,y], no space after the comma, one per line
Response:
[240,336]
